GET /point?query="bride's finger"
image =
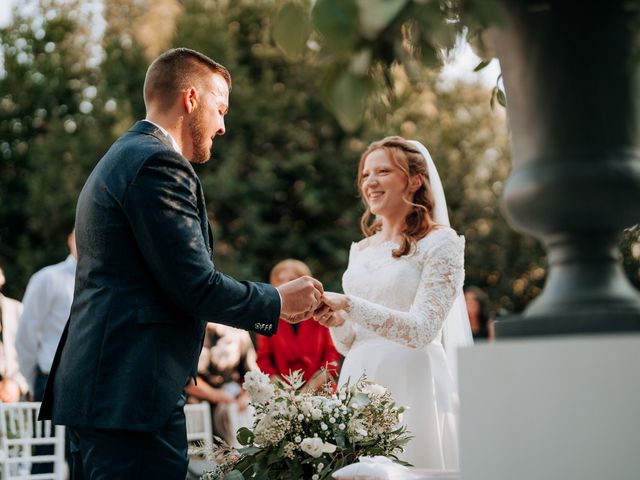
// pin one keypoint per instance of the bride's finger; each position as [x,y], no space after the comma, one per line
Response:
[322,311]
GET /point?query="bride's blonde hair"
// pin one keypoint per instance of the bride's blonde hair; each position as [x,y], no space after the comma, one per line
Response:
[419,221]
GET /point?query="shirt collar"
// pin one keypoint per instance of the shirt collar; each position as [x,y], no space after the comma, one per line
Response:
[70,262]
[173,142]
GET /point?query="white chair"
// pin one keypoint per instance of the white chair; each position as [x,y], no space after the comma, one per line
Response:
[198,417]
[19,432]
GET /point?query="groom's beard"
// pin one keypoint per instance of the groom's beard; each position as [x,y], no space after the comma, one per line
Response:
[200,144]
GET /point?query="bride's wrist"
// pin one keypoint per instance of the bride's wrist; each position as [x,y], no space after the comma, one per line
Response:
[346,306]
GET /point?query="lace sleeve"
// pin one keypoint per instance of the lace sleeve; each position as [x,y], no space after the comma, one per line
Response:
[441,280]
[343,337]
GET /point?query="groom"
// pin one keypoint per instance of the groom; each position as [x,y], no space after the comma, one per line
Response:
[146,284]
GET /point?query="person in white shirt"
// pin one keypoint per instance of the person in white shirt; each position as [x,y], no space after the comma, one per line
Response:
[47,303]
[13,386]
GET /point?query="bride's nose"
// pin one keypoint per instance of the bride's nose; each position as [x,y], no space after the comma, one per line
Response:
[370,180]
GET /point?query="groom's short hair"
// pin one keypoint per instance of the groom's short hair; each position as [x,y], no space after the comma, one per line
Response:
[176,70]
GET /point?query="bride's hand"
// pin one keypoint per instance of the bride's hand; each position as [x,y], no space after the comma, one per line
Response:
[335,301]
[331,318]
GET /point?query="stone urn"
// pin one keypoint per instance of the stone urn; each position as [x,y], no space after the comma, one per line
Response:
[571,76]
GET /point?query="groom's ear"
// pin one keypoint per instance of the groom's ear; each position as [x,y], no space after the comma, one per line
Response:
[190,99]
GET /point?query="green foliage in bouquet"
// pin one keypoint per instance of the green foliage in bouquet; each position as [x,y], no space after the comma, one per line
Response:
[297,434]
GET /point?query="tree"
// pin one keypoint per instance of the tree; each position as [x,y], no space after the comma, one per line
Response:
[48,134]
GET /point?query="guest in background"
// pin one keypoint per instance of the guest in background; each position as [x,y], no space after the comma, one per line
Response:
[13,385]
[305,346]
[47,303]
[227,354]
[480,313]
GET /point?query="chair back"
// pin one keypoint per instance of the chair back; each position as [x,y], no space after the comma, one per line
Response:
[198,418]
[20,431]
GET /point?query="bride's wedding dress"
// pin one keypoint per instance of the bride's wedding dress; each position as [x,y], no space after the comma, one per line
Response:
[393,334]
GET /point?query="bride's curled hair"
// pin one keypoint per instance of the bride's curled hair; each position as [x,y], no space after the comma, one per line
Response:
[419,221]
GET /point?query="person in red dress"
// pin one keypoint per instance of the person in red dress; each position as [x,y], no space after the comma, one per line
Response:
[305,346]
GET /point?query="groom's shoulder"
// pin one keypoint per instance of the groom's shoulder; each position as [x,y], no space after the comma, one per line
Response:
[141,147]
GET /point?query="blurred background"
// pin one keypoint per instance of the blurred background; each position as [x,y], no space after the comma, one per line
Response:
[282,181]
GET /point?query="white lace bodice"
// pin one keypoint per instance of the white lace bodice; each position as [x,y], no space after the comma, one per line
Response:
[404,299]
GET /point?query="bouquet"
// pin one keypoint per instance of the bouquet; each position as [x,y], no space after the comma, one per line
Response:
[297,434]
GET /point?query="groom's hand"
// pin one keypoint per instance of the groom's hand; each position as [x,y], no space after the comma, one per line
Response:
[300,297]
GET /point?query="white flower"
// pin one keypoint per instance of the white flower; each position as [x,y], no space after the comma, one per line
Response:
[258,387]
[374,389]
[320,466]
[315,476]
[306,408]
[298,439]
[316,414]
[332,420]
[323,426]
[316,447]
[342,426]
[300,417]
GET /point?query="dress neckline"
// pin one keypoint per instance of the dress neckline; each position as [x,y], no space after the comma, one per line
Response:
[377,246]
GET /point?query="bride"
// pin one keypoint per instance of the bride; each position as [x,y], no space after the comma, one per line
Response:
[404,299]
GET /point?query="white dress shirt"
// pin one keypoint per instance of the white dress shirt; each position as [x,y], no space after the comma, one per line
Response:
[46,307]
[9,368]
[173,140]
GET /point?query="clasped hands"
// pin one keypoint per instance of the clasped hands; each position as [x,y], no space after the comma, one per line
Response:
[305,297]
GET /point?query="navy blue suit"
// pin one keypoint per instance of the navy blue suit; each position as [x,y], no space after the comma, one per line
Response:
[145,287]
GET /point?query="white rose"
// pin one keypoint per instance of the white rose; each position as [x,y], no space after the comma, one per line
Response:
[374,389]
[316,447]
[316,414]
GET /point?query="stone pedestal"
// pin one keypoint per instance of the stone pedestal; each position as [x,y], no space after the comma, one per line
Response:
[563,408]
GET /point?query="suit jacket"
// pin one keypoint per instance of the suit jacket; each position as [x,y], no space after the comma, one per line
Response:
[9,366]
[308,350]
[145,287]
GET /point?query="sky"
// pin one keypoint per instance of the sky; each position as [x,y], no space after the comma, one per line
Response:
[461,68]
[5,11]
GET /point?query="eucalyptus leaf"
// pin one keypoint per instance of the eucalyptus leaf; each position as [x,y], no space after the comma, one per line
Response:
[487,12]
[348,93]
[429,56]
[291,27]
[244,436]
[502,99]
[248,451]
[337,22]
[481,65]
[234,475]
[376,15]
[443,35]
